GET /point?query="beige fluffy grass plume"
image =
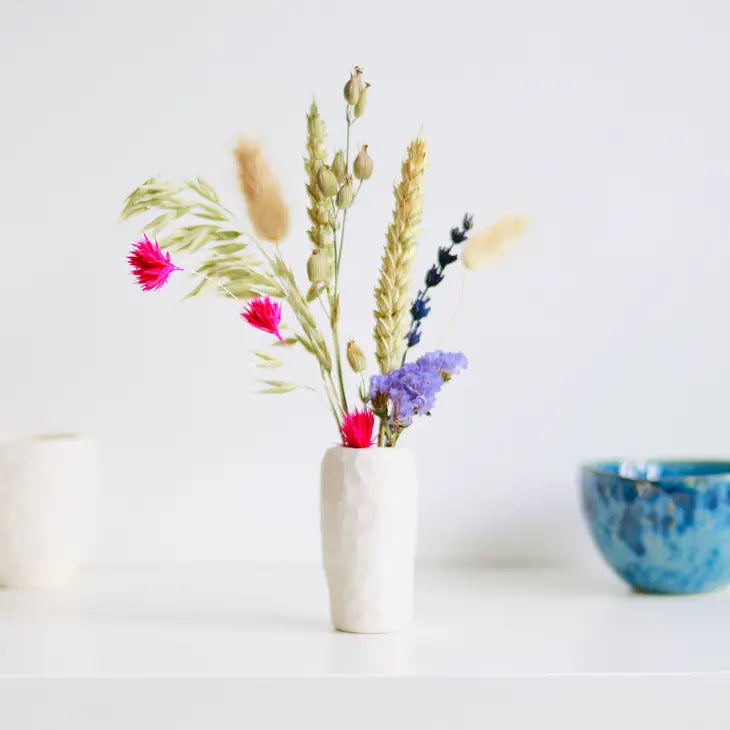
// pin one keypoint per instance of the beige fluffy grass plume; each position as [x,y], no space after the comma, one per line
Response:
[487,244]
[393,292]
[267,210]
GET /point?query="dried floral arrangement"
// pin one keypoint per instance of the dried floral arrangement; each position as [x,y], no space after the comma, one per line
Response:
[248,266]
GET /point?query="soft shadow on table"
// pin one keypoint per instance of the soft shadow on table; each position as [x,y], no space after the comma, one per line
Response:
[245,620]
[520,579]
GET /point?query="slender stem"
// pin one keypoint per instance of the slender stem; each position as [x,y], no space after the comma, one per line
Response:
[335,306]
[338,361]
[456,311]
[216,282]
[329,396]
[338,254]
[357,190]
[321,304]
[327,380]
[307,387]
[326,376]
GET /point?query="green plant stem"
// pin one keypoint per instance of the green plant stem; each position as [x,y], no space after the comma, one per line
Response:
[459,305]
[334,298]
[329,396]
[216,282]
[338,363]
[326,376]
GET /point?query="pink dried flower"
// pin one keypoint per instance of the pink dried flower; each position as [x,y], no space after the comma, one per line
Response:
[150,266]
[357,429]
[264,314]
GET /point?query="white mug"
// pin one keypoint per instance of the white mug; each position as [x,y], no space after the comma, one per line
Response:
[46,502]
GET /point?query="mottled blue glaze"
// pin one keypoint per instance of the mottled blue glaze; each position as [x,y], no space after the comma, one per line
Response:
[664,527]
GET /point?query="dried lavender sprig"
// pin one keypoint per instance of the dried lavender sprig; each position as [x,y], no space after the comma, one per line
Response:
[434,276]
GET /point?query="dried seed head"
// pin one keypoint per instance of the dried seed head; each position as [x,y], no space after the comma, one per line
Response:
[264,200]
[355,357]
[315,125]
[313,292]
[344,196]
[393,292]
[327,182]
[319,267]
[354,86]
[363,165]
[487,244]
[339,167]
[360,105]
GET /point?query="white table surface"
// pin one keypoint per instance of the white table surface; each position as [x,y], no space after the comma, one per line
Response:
[263,633]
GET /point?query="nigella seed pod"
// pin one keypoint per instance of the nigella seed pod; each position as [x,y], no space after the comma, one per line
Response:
[363,165]
[318,267]
[446,257]
[434,277]
[339,167]
[356,358]
[327,182]
[354,88]
[360,106]
[344,196]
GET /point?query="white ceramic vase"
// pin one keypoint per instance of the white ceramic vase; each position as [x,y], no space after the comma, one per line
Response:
[369,514]
[46,498]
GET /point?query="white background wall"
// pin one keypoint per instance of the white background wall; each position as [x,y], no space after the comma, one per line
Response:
[605,333]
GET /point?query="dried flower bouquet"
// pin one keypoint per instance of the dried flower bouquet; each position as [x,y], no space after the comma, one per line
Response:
[248,267]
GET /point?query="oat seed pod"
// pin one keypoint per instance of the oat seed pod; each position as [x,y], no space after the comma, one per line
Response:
[339,167]
[360,105]
[344,196]
[353,88]
[363,165]
[319,267]
[327,182]
[356,357]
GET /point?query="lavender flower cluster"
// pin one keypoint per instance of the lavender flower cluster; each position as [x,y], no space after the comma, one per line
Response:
[434,276]
[412,389]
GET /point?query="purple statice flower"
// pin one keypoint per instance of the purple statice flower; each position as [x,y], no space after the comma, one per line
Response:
[412,389]
[447,363]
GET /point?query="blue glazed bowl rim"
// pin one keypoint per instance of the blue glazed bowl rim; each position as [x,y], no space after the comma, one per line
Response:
[720,470]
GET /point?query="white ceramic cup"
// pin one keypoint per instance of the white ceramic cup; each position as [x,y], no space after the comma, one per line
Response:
[46,503]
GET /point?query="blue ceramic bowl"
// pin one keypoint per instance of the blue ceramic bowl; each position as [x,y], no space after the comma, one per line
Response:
[663,526]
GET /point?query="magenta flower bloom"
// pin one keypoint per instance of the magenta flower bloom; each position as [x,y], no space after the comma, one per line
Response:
[357,429]
[150,266]
[264,314]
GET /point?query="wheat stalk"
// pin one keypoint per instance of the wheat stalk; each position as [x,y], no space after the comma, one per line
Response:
[393,292]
